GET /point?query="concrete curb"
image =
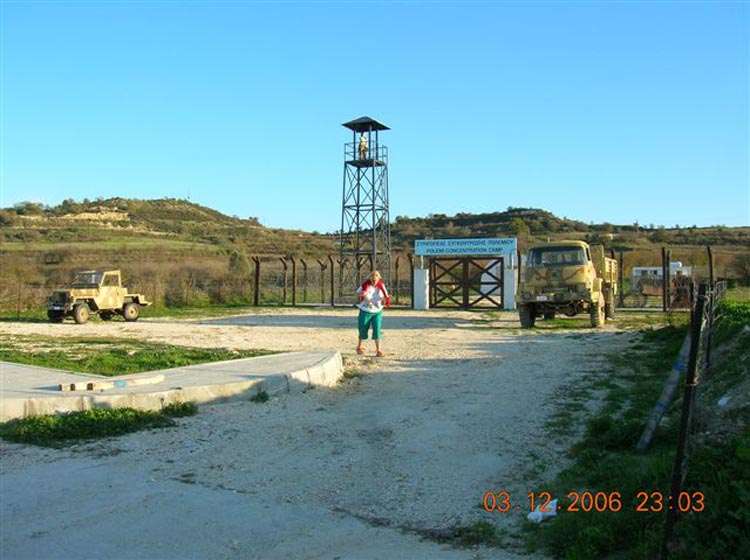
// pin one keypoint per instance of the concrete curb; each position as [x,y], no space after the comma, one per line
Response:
[325,370]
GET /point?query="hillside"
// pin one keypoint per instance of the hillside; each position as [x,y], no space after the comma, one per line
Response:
[173,222]
[167,223]
[181,253]
[529,224]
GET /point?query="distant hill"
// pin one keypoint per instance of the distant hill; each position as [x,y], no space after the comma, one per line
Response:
[532,224]
[168,222]
[177,223]
[181,253]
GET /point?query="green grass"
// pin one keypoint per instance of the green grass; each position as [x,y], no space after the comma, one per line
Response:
[65,429]
[606,460]
[207,311]
[261,397]
[732,316]
[180,409]
[109,356]
[739,294]
[722,473]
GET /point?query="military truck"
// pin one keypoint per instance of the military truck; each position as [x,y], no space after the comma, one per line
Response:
[567,277]
[95,291]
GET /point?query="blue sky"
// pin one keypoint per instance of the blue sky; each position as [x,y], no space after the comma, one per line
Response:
[599,111]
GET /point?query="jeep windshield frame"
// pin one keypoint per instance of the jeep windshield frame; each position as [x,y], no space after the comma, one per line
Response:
[87,279]
[556,256]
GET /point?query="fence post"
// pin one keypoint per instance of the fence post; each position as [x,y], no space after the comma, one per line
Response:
[664,279]
[323,267]
[691,381]
[333,300]
[621,279]
[711,307]
[668,291]
[397,284]
[283,290]
[294,281]
[256,287]
[342,263]
[304,280]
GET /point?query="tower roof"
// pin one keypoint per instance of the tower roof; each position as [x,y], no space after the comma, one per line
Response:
[365,124]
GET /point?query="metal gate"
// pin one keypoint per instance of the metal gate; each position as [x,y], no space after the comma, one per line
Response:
[466,282]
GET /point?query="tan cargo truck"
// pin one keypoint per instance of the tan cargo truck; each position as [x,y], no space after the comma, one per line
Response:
[567,277]
[95,291]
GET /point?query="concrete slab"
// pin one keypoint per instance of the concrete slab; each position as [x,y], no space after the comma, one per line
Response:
[29,390]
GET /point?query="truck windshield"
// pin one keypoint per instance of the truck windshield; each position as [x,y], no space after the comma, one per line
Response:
[557,256]
[83,279]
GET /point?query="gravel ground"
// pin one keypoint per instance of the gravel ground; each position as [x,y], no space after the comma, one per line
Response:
[372,469]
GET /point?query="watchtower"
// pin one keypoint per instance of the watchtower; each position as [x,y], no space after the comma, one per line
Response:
[365,223]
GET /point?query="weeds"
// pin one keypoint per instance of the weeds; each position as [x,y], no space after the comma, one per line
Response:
[110,356]
[605,460]
[180,409]
[261,397]
[64,429]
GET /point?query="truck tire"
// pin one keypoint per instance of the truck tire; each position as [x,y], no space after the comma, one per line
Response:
[527,315]
[609,310]
[609,303]
[131,311]
[81,313]
[596,313]
[55,316]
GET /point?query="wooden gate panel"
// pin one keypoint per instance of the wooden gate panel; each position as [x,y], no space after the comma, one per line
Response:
[466,282]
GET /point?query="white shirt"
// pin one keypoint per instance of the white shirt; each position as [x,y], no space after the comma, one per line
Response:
[374,299]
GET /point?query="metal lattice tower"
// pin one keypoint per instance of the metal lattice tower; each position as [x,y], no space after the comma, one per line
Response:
[365,223]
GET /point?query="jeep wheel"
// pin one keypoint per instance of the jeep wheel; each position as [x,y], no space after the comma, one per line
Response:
[55,316]
[106,315]
[526,314]
[131,311]
[81,313]
[596,314]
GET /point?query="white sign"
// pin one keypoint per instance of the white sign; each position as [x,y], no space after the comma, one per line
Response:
[489,246]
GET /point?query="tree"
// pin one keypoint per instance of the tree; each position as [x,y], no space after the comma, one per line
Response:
[660,235]
[518,227]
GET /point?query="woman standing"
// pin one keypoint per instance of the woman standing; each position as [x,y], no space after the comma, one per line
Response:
[372,298]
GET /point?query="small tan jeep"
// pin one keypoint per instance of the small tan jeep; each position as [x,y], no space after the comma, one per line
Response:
[95,291]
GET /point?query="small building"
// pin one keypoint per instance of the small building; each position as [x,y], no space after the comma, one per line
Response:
[648,279]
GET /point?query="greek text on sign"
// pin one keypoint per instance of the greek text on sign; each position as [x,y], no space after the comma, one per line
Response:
[489,246]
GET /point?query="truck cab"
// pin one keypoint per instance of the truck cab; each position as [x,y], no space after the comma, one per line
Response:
[567,277]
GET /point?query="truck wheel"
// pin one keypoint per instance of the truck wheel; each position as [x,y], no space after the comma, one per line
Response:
[609,303]
[527,316]
[549,315]
[81,313]
[55,316]
[596,313]
[106,315]
[131,311]
[609,310]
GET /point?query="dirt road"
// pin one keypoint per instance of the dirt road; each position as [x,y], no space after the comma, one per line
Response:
[402,452]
